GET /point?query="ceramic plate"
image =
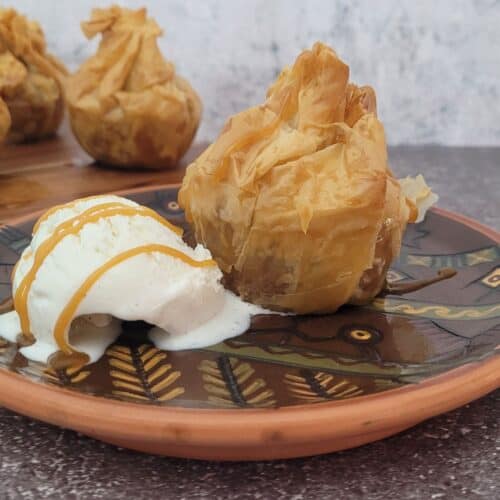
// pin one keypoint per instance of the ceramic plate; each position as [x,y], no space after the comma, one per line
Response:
[290,386]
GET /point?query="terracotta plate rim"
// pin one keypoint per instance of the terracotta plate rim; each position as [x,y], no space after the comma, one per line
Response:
[377,413]
[398,408]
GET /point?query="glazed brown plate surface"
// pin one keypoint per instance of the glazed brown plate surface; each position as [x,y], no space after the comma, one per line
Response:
[291,385]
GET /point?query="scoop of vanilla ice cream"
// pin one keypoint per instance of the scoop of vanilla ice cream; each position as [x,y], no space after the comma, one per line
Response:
[161,289]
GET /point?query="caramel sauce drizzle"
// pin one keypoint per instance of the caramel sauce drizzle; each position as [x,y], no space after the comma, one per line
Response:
[72,227]
[61,361]
[55,208]
[14,269]
[67,314]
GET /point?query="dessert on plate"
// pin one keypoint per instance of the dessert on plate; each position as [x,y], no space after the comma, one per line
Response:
[294,206]
[31,79]
[295,199]
[98,260]
[127,105]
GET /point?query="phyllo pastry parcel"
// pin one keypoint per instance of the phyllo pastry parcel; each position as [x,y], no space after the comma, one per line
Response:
[295,198]
[31,79]
[127,105]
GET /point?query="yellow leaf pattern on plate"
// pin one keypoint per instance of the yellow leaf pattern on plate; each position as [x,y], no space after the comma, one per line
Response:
[315,387]
[142,373]
[231,382]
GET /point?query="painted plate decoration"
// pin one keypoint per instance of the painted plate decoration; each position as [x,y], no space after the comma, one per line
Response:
[291,385]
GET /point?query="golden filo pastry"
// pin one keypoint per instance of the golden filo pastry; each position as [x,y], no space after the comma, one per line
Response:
[295,198]
[127,105]
[12,74]
[4,120]
[31,79]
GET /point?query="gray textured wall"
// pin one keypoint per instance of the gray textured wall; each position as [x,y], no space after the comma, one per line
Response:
[435,64]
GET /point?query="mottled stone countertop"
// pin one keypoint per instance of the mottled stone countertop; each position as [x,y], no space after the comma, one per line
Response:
[453,456]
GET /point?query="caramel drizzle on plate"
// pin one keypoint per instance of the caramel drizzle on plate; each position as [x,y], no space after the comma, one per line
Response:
[67,314]
[73,226]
